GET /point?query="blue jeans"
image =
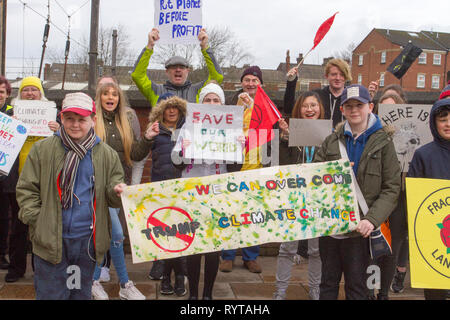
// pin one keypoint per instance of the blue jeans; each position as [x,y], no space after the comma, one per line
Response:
[71,279]
[248,254]
[116,249]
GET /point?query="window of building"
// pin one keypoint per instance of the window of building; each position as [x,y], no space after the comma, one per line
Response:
[359,78]
[420,80]
[381,84]
[423,58]
[435,81]
[360,60]
[383,57]
[437,59]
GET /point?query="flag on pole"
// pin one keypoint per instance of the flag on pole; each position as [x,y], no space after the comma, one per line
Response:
[320,34]
[264,115]
[404,60]
[323,30]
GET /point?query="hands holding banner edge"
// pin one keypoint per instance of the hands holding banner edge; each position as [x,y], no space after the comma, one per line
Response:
[153,36]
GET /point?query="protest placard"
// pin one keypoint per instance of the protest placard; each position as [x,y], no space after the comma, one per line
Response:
[213,131]
[411,123]
[428,203]
[36,114]
[188,216]
[12,136]
[178,21]
[307,132]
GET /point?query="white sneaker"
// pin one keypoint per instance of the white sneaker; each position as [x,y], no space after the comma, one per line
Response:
[104,275]
[130,292]
[98,293]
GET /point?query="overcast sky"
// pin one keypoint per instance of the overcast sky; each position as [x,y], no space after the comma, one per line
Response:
[267,27]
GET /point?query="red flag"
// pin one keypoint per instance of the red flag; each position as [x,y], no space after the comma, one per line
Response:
[323,30]
[264,115]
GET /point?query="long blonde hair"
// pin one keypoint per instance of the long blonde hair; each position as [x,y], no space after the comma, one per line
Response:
[121,119]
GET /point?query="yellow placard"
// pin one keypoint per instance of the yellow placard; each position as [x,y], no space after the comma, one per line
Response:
[428,202]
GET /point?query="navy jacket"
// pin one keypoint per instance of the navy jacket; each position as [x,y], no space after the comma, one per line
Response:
[433,159]
[162,166]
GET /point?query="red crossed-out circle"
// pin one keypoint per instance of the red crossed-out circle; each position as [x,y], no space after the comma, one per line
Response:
[152,221]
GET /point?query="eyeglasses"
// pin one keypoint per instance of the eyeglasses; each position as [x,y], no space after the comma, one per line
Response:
[30,89]
[310,106]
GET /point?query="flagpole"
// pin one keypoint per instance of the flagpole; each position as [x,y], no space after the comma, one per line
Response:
[303,59]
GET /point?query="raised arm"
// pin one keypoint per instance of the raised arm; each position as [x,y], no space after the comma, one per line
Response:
[139,75]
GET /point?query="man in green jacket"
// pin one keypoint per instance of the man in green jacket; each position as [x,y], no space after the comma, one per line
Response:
[177,70]
[66,186]
[371,151]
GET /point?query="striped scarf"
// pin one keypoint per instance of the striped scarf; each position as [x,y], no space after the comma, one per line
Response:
[77,151]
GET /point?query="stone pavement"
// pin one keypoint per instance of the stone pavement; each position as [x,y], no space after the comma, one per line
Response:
[237,285]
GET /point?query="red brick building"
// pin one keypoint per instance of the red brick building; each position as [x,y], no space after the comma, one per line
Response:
[429,73]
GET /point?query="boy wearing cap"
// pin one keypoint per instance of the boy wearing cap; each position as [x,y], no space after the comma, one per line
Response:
[370,149]
[177,70]
[67,184]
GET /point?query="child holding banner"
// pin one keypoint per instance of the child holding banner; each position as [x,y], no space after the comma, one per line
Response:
[308,106]
[375,164]
[433,159]
[66,186]
[210,94]
[113,126]
[166,117]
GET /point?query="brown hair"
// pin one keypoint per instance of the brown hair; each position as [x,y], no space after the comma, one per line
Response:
[298,105]
[398,100]
[341,65]
[5,81]
[397,88]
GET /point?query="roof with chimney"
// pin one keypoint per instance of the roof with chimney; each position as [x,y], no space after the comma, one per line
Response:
[427,40]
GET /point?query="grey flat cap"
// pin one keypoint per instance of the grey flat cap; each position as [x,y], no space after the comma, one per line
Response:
[177,60]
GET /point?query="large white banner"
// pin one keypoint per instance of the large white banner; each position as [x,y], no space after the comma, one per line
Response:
[178,21]
[181,217]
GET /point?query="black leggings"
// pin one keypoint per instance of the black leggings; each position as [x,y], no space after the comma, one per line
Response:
[211,268]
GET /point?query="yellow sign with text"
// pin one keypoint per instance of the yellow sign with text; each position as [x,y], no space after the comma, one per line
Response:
[428,202]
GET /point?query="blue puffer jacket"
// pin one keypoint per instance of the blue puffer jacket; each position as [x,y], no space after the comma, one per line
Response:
[162,166]
[433,159]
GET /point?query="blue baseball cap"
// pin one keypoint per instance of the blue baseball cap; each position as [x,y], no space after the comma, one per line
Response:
[355,91]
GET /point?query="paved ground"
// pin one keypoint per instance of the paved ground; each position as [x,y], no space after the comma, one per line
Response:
[237,285]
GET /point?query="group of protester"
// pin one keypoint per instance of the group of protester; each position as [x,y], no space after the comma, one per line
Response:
[65,190]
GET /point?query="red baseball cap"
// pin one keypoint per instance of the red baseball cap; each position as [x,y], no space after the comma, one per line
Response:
[79,103]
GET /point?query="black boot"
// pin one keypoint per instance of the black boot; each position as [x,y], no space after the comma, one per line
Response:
[4,264]
[166,285]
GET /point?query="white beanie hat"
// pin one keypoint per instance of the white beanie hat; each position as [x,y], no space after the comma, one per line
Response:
[212,88]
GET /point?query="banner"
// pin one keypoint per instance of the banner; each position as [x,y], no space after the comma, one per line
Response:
[188,216]
[36,114]
[307,132]
[213,131]
[13,134]
[428,203]
[178,21]
[412,129]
